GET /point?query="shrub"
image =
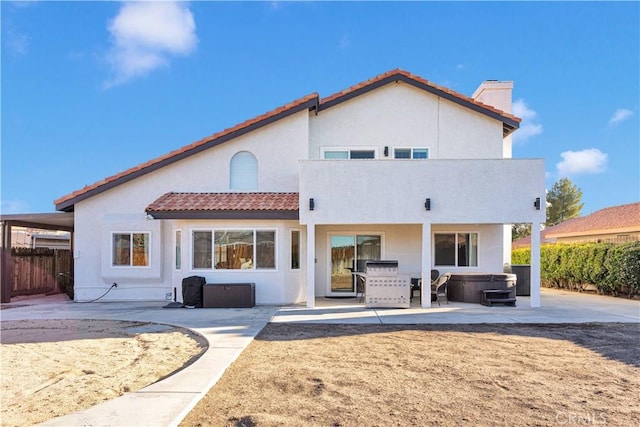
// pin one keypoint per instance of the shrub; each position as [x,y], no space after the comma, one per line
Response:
[613,269]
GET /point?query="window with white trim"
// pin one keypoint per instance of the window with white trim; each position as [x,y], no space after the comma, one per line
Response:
[178,250]
[456,249]
[234,249]
[243,171]
[346,153]
[411,153]
[295,249]
[130,249]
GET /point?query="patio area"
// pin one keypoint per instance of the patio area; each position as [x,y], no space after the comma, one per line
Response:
[558,306]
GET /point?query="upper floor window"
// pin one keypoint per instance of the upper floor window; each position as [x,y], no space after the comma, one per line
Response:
[411,153]
[243,171]
[130,250]
[331,154]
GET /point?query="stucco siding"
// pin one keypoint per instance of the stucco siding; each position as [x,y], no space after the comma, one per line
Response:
[278,147]
[400,115]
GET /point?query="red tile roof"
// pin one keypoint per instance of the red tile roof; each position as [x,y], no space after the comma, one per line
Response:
[621,218]
[414,78]
[191,202]
[67,202]
[624,217]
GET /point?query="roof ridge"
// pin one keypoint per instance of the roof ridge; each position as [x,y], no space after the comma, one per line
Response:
[417,78]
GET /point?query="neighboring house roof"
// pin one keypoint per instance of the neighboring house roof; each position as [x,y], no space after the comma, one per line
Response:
[225,206]
[310,102]
[615,219]
[525,242]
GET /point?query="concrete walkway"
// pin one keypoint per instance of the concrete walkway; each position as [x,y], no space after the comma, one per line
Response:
[229,331]
[167,402]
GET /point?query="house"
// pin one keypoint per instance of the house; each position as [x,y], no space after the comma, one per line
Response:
[393,168]
[615,224]
[25,237]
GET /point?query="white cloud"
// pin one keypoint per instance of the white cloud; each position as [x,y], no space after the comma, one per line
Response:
[528,126]
[586,161]
[620,115]
[145,34]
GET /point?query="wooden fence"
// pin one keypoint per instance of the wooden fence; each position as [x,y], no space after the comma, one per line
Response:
[40,271]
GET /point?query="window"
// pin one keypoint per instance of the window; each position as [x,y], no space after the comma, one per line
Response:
[234,249]
[243,171]
[130,250]
[202,252]
[349,154]
[295,249]
[411,153]
[178,250]
[456,249]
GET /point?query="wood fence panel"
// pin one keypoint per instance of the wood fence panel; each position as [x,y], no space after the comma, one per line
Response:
[37,270]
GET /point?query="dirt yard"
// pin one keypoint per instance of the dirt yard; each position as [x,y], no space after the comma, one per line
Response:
[55,367]
[430,375]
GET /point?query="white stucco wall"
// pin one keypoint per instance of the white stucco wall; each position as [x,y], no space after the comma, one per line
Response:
[278,286]
[394,191]
[400,115]
[277,147]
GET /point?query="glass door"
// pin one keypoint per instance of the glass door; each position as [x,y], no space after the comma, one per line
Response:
[342,256]
[349,253]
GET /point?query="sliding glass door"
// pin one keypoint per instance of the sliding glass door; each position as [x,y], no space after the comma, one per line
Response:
[349,252]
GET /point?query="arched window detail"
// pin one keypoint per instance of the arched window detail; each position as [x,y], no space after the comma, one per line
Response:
[244,171]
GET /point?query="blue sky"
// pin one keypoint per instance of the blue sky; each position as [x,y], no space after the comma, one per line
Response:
[90,89]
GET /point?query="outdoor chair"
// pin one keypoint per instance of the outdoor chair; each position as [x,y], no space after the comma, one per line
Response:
[416,283]
[439,288]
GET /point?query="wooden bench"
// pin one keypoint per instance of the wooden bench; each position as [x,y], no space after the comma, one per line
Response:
[498,296]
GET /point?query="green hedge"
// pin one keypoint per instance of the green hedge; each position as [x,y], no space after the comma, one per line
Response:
[612,269]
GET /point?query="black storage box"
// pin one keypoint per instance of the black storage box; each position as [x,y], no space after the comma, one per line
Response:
[192,291]
[229,295]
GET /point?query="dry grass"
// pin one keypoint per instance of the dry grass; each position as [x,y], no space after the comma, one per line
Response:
[447,375]
[55,367]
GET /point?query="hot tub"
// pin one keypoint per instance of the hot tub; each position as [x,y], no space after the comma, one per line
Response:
[468,287]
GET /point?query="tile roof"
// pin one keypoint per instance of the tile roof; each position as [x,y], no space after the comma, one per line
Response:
[190,202]
[406,76]
[310,102]
[607,220]
[67,202]
[623,217]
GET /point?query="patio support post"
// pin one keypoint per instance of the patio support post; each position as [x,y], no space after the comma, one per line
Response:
[425,292]
[311,265]
[6,284]
[535,265]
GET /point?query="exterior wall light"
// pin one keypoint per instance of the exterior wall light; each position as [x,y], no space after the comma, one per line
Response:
[536,204]
[427,204]
[312,204]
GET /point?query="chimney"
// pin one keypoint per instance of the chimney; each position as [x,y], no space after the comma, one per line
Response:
[495,93]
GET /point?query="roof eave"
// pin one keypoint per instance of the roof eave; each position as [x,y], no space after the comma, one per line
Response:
[510,125]
[226,214]
[68,204]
